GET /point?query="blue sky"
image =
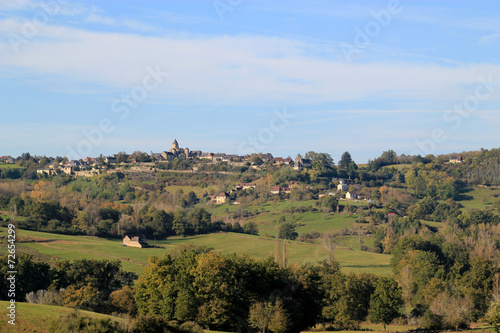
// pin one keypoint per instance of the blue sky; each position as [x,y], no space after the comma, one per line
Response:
[98,77]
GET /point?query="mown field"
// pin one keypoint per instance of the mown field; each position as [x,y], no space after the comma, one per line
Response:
[55,247]
[480,197]
[10,166]
[37,318]
[266,216]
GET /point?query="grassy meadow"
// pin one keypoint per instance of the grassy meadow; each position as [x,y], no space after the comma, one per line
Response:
[10,166]
[55,247]
[481,197]
[37,318]
[266,216]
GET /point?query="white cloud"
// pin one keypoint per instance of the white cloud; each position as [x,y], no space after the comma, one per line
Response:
[228,69]
[489,38]
[95,18]
[51,7]
[131,24]
[17,5]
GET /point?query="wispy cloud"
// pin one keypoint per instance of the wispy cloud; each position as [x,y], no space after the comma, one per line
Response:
[231,69]
[490,38]
[14,5]
[128,23]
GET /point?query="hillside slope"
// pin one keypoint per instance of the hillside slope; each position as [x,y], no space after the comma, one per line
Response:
[37,318]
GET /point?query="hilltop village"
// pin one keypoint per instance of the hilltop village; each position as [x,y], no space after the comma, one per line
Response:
[93,165]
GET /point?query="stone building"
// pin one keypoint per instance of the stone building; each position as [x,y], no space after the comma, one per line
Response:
[177,152]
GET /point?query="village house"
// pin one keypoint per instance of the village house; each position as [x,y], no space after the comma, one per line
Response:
[301,163]
[456,159]
[70,167]
[47,171]
[247,185]
[282,161]
[267,157]
[207,156]
[286,190]
[229,158]
[233,157]
[195,154]
[278,190]
[167,156]
[89,161]
[351,195]
[7,159]
[156,156]
[221,198]
[275,190]
[342,187]
[110,160]
[219,157]
[135,241]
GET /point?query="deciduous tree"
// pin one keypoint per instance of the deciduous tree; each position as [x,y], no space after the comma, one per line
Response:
[385,301]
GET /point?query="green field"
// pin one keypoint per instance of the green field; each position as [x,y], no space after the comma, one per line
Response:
[480,197]
[134,259]
[10,166]
[308,221]
[266,216]
[432,224]
[398,166]
[37,318]
[199,191]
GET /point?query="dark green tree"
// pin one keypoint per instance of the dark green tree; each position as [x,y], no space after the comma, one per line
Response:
[385,301]
[251,228]
[179,223]
[345,161]
[287,231]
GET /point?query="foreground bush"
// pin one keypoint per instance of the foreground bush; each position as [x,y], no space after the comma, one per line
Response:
[76,323]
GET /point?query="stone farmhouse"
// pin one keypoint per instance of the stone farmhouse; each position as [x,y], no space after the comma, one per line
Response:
[221,198]
[135,241]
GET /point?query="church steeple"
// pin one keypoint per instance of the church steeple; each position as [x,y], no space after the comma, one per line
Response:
[175,144]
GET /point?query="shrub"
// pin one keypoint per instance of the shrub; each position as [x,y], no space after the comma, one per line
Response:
[76,323]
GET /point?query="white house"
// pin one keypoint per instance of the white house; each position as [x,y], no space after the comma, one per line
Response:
[351,195]
[342,187]
[221,198]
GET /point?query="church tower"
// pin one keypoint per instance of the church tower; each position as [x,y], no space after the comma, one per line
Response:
[175,144]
